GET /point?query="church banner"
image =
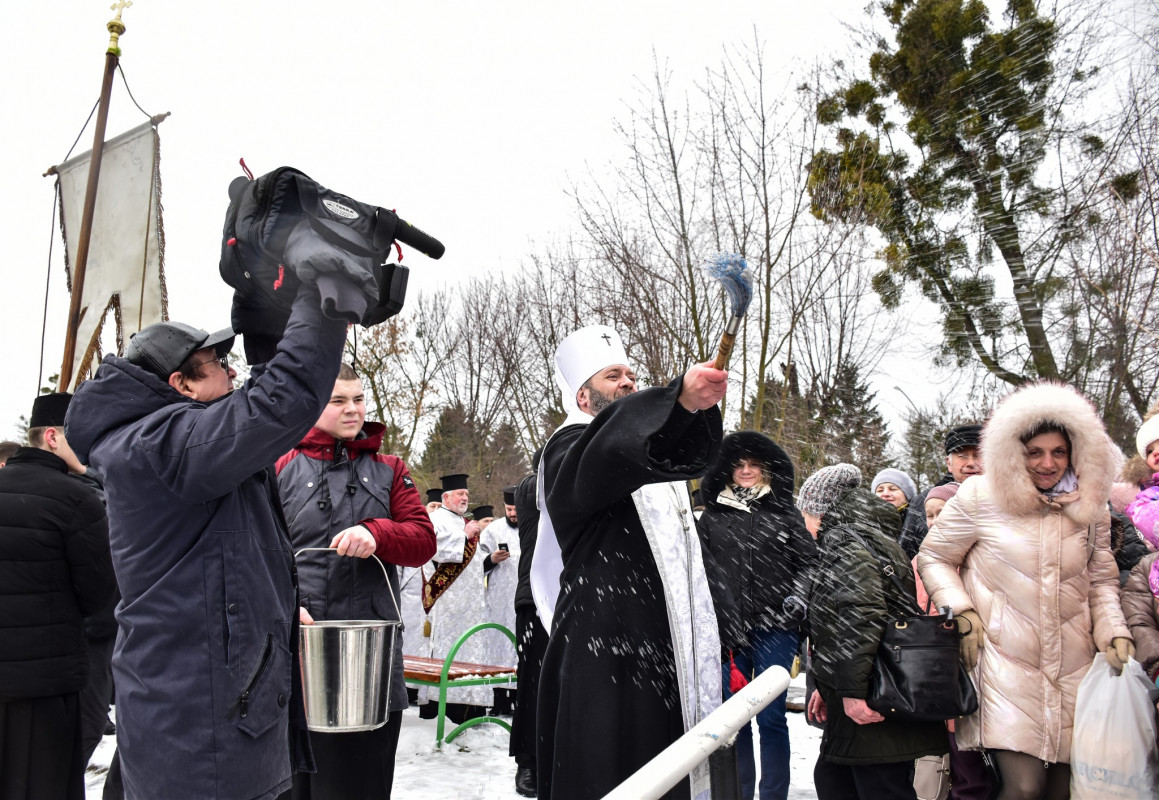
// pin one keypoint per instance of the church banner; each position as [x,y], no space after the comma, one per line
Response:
[125,271]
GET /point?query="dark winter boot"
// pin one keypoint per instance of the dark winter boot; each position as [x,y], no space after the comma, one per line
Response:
[525,781]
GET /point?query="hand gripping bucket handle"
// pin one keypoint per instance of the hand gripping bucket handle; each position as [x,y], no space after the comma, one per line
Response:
[381,566]
[347,667]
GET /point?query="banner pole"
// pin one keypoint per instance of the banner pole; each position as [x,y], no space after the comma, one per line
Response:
[112,57]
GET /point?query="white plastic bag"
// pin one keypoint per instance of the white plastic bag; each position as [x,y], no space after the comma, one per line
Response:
[932,777]
[1114,753]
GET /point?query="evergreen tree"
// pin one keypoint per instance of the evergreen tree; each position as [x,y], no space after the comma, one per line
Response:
[971,98]
[451,448]
[827,423]
[458,444]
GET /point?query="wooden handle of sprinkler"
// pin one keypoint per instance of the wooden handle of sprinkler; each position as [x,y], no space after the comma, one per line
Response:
[727,340]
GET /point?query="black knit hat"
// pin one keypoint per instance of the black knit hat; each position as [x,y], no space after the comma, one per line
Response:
[48,410]
[162,348]
[963,436]
[453,482]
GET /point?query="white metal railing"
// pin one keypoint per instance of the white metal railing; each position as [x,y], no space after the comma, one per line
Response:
[670,766]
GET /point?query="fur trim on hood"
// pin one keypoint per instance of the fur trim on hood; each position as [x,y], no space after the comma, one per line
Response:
[1094,458]
[750,444]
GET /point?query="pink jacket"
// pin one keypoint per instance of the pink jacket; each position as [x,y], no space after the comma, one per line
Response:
[1144,513]
[1046,589]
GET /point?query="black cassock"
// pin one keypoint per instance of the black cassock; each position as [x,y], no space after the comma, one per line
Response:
[608,697]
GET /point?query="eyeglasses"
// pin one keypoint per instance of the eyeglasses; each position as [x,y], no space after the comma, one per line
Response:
[224,361]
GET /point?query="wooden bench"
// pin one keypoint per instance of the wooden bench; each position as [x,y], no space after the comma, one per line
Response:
[449,673]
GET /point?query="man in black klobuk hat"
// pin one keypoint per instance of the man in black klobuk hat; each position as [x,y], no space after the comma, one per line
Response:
[483,515]
[633,661]
[56,569]
[453,593]
[963,459]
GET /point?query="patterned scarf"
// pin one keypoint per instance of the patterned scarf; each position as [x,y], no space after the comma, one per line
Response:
[749,495]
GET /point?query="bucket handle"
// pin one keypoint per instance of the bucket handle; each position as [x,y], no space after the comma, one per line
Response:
[381,566]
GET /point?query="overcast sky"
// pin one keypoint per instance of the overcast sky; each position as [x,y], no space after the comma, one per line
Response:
[471,119]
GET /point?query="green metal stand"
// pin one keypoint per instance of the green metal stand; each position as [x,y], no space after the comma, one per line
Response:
[445,682]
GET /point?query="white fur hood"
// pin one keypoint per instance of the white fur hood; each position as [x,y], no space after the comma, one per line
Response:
[1094,457]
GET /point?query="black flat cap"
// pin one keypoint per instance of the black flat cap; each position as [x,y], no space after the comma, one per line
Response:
[48,410]
[162,347]
[963,436]
[453,482]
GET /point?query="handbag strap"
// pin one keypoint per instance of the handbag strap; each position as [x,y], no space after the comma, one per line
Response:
[886,568]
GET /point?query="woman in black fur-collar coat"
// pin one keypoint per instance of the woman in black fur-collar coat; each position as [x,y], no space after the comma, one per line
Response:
[755,533]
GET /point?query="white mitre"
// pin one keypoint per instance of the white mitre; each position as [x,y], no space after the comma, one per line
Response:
[581,355]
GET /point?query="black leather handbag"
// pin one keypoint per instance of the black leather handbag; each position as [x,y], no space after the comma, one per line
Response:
[918,673]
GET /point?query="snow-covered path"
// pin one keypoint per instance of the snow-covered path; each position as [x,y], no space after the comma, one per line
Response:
[476,765]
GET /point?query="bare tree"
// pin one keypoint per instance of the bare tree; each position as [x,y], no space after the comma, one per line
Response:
[398,364]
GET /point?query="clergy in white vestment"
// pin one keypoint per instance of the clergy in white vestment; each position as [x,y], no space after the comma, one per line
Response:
[453,590]
[634,659]
[416,630]
[499,543]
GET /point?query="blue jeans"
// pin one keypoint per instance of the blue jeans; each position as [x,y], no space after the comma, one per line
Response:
[765,649]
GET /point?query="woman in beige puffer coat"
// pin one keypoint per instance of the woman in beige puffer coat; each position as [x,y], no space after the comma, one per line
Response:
[1022,553]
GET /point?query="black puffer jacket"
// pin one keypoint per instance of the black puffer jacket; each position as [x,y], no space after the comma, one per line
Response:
[764,553]
[849,606]
[914,529]
[1127,545]
[55,568]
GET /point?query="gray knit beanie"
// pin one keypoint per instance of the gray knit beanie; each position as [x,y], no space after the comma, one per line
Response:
[898,479]
[823,488]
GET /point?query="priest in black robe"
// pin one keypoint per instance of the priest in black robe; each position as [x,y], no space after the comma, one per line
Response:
[634,655]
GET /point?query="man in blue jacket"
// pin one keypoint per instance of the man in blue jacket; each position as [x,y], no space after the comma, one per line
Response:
[208,696]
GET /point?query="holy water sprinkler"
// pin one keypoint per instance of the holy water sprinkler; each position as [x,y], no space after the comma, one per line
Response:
[737,279]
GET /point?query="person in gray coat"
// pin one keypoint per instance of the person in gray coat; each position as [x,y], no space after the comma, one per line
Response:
[208,697]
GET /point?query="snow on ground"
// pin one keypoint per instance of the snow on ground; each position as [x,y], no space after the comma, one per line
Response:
[476,766]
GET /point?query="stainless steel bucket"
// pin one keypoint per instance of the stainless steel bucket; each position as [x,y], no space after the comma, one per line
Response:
[346,669]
